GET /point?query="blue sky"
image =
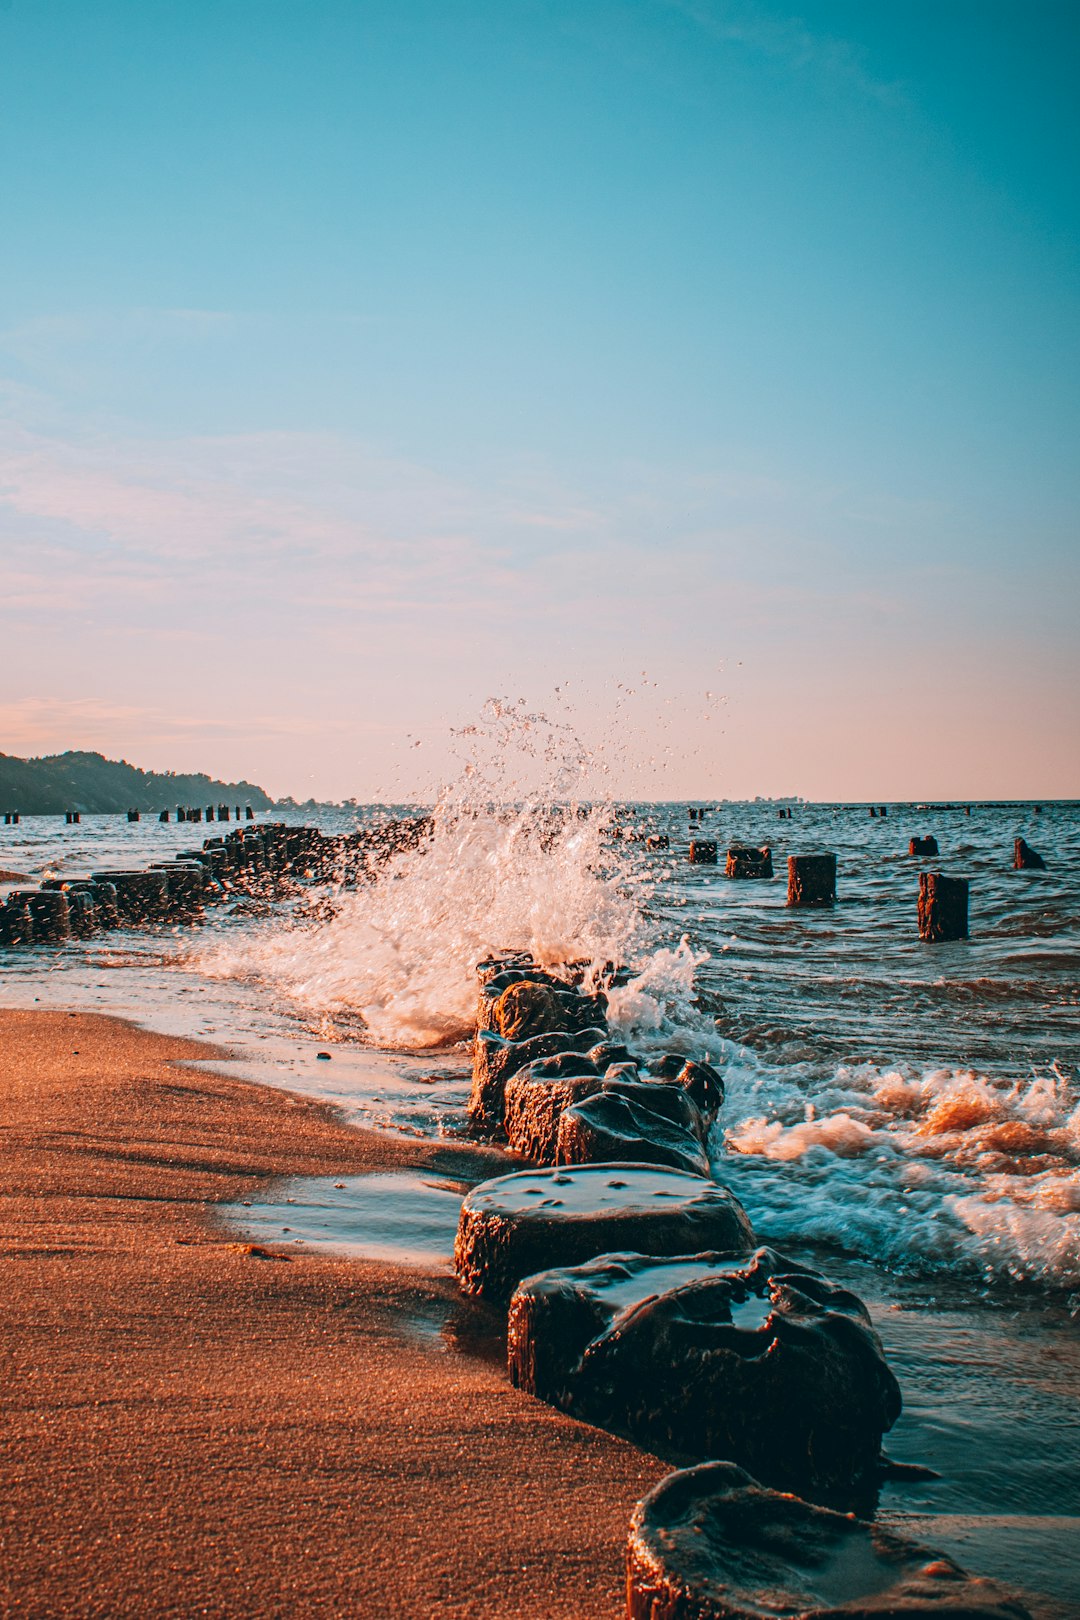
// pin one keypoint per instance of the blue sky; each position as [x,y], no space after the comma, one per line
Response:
[359,360]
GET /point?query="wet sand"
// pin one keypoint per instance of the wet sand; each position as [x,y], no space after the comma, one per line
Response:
[192,1428]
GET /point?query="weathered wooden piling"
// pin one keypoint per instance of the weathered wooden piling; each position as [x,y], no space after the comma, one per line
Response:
[82,913]
[49,913]
[16,921]
[923,846]
[811,880]
[943,907]
[1026,859]
[133,815]
[658,841]
[746,862]
[703,852]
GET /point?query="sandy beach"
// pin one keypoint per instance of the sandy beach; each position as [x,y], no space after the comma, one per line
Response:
[194,1428]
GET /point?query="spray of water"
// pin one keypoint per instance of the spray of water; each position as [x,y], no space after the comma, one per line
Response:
[519,858]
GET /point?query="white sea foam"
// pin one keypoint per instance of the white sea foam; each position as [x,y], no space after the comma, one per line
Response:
[921,1171]
[919,1168]
[500,872]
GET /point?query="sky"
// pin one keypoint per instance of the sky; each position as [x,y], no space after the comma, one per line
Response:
[703,374]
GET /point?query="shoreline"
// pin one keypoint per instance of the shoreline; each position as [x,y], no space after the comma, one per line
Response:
[192,1427]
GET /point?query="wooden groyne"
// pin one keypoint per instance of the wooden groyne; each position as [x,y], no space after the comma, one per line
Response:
[262,863]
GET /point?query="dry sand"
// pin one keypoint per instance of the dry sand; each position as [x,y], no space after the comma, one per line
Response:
[189,1429]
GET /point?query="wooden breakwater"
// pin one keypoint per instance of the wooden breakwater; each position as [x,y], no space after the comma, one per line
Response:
[257,863]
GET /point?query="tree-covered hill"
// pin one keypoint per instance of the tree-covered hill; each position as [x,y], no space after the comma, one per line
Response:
[92,783]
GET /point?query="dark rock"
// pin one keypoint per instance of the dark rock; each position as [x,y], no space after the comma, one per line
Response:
[710,1543]
[611,1126]
[943,907]
[666,1097]
[535,1098]
[495,1060]
[811,880]
[768,1365]
[700,1080]
[519,1224]
[746,862]
[1026,859]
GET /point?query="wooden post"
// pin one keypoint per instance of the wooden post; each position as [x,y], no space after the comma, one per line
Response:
[703,852]
[1026,859]
[943,907]
[923,846]
[743,862]
[811,880]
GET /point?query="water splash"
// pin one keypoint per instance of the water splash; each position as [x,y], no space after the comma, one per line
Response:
[518,859]
[922,1170]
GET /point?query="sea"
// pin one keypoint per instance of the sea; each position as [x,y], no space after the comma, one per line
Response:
[906,1115]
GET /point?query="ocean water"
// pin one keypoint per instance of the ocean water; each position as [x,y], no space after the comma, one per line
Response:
[912,1104]
[905,1116]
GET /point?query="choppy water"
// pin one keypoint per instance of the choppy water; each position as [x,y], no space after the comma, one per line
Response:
[918,1105]
[911,1110]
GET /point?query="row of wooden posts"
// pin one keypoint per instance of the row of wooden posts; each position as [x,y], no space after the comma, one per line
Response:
[270,860]
[225,812]
[943,900]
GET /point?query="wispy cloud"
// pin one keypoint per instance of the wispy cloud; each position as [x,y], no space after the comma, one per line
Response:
[791,42]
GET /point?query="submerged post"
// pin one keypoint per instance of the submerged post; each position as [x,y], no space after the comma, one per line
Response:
[811,880]
[1026,859]
[703,852]
[745,862]
[943,907]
